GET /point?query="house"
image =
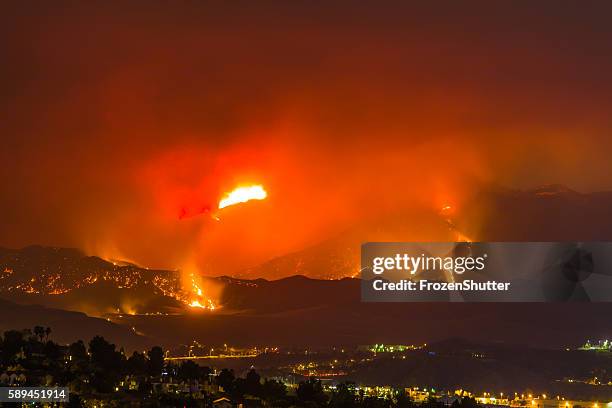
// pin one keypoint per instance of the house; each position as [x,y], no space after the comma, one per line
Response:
[225,402]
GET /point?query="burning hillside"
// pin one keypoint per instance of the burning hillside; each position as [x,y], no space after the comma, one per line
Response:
[43,272]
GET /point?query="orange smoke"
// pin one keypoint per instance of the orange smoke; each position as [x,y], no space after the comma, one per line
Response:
[192,110]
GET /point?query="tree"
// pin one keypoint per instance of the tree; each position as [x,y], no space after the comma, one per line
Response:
[205,372]
[39,331]
[273,391]
[104,355]
[12,343]
[403,400]
[52,351]
[311,391]
[432,403]
[344,396]
[253,383]
[375,402]
[156,361]
[107,364]
[137,363]
[238,388]
[468,402]
[226,379]
[189,371]
[77,351]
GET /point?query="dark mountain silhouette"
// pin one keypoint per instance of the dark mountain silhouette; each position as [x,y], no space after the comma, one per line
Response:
[282,295]
[547,213]
[68,326]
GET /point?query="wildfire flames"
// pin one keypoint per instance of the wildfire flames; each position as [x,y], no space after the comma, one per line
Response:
[199,300]
[242,195]
[207,305]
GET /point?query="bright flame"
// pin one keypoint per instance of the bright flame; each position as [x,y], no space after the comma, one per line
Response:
[242,195]
[197,303]
[208,304]
[201,301]
[196,287]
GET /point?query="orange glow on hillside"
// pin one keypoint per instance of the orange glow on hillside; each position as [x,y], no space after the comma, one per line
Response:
[242,195]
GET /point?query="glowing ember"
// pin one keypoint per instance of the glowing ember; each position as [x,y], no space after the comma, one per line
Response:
[242,195]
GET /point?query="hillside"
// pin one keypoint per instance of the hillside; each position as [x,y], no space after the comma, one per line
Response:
[68,326]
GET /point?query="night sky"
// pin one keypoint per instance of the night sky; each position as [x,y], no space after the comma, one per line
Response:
[117,117]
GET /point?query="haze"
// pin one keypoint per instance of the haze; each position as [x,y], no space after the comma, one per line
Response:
[118,118]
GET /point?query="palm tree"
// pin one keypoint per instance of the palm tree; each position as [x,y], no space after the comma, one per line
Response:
[39,332]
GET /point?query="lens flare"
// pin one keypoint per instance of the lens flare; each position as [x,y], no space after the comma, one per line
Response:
[242,195]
